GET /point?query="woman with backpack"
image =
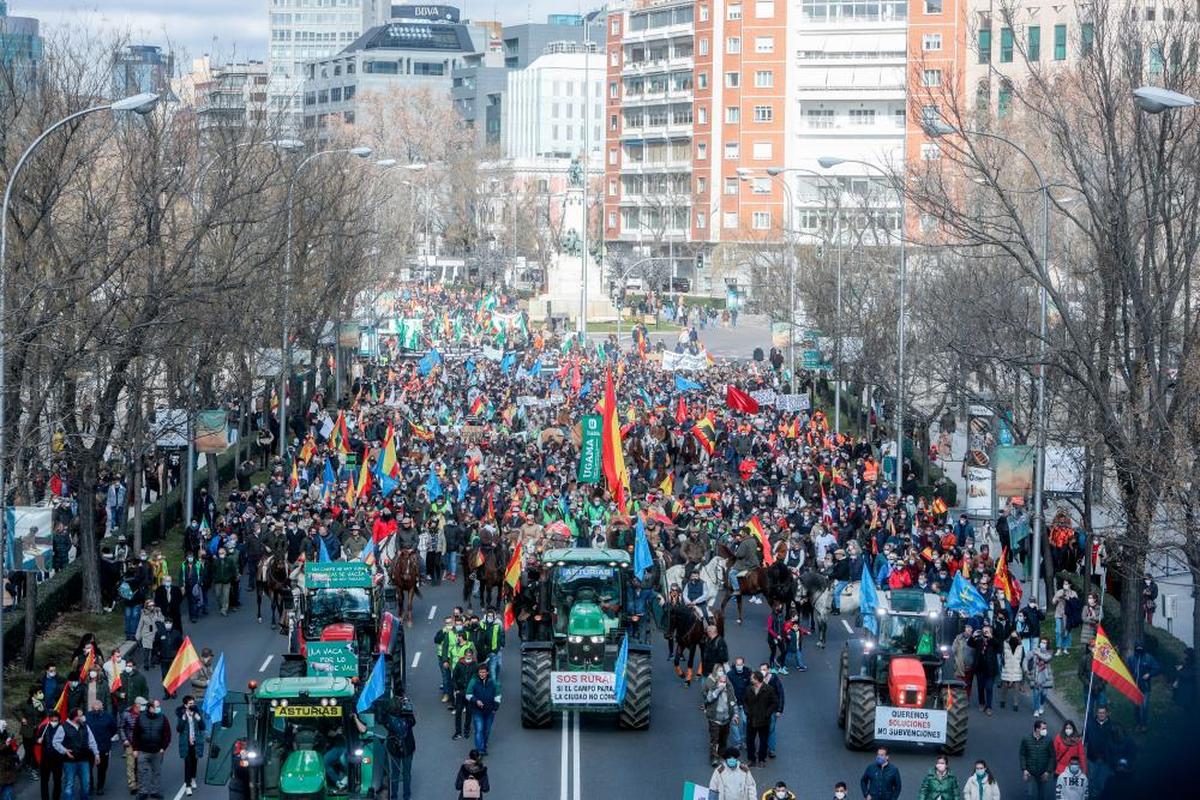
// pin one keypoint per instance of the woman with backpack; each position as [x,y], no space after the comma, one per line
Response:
[472,780]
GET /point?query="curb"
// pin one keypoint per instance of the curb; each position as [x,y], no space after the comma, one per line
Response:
[1063,708]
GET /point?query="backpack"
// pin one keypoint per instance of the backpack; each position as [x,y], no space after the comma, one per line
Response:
[470,788]
[125,590]
[398,729]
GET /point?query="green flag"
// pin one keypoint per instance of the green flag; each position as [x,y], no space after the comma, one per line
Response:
[591,449]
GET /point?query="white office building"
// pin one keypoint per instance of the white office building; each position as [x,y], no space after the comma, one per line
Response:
[547,104]
[302,30]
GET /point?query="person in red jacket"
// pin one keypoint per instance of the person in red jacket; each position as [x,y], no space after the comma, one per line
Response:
[1068,745]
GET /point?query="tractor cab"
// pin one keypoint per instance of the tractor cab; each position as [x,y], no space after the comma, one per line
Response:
[295,738]
[910,623]
[341,591]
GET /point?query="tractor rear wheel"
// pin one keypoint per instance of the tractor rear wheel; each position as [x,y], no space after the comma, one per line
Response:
[535,688]
[957,705]
[635,710]
[843,676]
[860,716]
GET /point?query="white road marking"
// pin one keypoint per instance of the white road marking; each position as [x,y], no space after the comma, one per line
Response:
[432,611]
[416,660]
[564,788]
[846,625]
[179,794]
[575,761]
[267,661]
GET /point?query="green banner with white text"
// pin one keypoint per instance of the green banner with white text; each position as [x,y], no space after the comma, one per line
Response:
[591,449]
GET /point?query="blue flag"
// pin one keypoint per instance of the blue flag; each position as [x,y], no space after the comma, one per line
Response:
[463,484]
[322,551]
[433,486]
[214,697]
[682,384]
[470,366]
[374,687]
[868,601]
[387,485]
[329,479]
[642,560]
[506,363]
[584,389]
[430,360]
[619,667]
[536,369]
[965,598]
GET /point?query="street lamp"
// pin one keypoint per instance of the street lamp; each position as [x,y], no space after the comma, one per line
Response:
[1156,100]
[1159,99]
[139,104]
[829,162]
[624,275]
[286,350]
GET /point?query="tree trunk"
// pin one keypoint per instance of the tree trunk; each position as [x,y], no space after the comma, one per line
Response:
[89,569]
[135,492]
[214,481]
[30,647]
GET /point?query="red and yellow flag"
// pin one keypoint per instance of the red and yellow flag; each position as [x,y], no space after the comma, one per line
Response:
[668,484]
[612,457]
[389,464]
[294,483]
[115,683]
[88,663]
[185,665]
[512,573]
[1107,664]
[706,434]
[61,705]
[1004,580]
[509,616]
[308,450]
[424,434]
[364,479]
[340,438]
[350,496]
[756,528]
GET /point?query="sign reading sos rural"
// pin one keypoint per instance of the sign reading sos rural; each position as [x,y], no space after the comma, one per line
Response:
[583,688]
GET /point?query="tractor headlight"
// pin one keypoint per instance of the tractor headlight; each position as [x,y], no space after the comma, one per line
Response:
[934,615]
[251,756]
[597,640]
[575,639]
[881,612]
[358,752]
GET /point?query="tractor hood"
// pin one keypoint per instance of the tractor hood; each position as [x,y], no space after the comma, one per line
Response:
[586,620]
[302,775]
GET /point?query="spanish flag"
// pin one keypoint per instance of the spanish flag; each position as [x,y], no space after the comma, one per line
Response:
[612,458]
[1107,664]
[512,573]
[295,481]
[424,434]
[61,705]
[1004,580]
[706,434]
[756,527]
[115,682]
[939,506]
[364,479]
[185,665]
[308,450]
[88,663]
[668,484]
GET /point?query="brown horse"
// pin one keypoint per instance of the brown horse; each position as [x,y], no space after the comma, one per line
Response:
[485,567]
[271,579]
[753,582]
[688,635]
[405,574]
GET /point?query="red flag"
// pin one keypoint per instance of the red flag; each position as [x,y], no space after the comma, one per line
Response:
[612,458]
[1004,580]
[738,400]
[576,378]
[509,616]
[680,411]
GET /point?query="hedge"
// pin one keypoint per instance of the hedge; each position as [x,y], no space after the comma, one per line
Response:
[63,589]
[1166,648]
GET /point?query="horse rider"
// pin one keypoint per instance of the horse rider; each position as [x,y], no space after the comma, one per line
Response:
[695,595]
[794,557]
[746,558]
[693,550]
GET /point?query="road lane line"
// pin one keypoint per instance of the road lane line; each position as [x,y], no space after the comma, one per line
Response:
[266,661]
[432,611]
[179,794]
[846,625]
[564,789]
[416,660]
[575,760]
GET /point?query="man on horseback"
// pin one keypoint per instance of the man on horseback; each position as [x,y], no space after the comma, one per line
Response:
[695,595]
[746,557]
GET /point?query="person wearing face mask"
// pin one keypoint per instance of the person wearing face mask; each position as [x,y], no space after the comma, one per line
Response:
[1012,670]
[720,703]
[489,642]
[103,726]
[151,737]
[1073,783]
[981,785]
[77,750]
[1029,624]
[133,682]
[169,598]
[460,679]
[190,727]
[166,647]
[1041,674]
[30,715]
[147,630]
[840,790]
[1092,616]
[939,783]
[1037,762]
[52,684]
[50,764]
[780,792]
[1067,745]
[125,727]
[732,780]
[881,779]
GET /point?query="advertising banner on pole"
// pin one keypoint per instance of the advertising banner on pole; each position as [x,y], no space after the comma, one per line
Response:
[590,450]
[212,433]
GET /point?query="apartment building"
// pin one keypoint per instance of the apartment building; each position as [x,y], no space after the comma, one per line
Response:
[301,30]
[546,106]
[225,96]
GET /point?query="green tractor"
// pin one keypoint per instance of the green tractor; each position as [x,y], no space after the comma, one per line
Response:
[573,657]
[340,626]
[900,685]
[296,738]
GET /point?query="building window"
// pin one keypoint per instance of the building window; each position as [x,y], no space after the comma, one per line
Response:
[612,219]
[733,115]
[612,90]
[614,58]
[764,44]
[764,9]
[702,151]
[1006,45]
[819,118]
[1060,42]
[615,27]
[612,122]
[985,45]
[862,117]
[702,80]
[733,151]
[704,47]
[733,11]
[764,113]
[731,186]
[760,185]
[733,45]
[763,151]
[930,151]
[1004,101]
[933,6]
[930,115]
[729,220]
[761,220]
[700,222]
[612,156]
[1034,40]
[932,78]
[701,185]
[931,41]
[1087,39]
[764,79]
[733,80]
[702,115]
[612,187]
[704,13]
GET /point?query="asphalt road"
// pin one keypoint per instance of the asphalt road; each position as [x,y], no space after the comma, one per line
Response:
[589,757]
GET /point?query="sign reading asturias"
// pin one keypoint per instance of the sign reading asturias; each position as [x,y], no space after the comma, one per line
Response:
[591,450]
[307,711]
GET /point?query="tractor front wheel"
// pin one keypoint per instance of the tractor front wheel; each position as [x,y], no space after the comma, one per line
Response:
[843,678]
[535,688]
[957,705]
[635,710]
[860,716]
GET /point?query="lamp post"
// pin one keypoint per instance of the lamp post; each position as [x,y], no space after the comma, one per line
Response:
[828,162]
[624,275]
[138,103]
[937,128]
[1156,100]
[286,350]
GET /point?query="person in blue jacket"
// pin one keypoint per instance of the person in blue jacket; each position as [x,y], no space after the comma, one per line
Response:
[881,779]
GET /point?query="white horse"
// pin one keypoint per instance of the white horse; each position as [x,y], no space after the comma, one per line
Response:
[712,573]
[817,590]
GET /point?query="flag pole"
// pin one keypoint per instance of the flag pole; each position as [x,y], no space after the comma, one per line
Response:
[1087,706]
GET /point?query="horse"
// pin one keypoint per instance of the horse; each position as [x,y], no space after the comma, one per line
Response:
[487,568]
[712,573]
[688,633]
[750,583]
[405,574]
[271,578]
[814,593]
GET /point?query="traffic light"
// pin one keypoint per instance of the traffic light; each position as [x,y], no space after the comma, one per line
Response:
[699,261]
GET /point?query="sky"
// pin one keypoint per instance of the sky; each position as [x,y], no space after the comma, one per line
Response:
[229,29]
